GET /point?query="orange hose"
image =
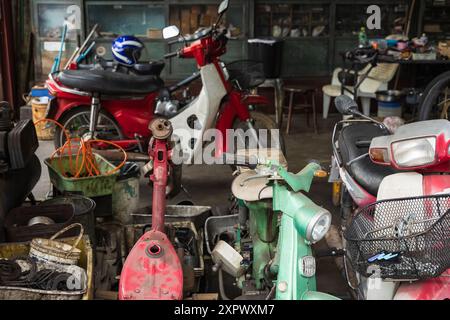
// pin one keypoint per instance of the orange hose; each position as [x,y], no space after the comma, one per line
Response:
[88,160]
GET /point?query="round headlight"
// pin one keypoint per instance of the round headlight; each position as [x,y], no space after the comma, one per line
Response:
[318,226]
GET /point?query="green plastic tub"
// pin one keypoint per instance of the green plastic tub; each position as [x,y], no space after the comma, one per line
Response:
[90,186]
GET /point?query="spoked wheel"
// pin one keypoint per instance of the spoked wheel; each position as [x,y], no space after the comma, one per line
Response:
[266,139]
[76,122]
[435,101]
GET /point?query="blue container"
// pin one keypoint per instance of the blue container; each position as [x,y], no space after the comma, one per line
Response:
[389,109]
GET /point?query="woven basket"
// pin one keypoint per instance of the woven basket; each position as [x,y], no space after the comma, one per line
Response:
[52,251]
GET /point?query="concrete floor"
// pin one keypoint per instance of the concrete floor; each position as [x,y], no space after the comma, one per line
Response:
[210,185]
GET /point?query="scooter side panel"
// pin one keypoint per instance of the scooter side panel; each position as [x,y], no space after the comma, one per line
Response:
[361,197]
[204,108]
[401,185]
[431,289]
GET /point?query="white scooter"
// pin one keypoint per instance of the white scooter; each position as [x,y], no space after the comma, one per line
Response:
[399,246]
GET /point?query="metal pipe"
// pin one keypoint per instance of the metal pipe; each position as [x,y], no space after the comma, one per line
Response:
[159,178]
[117,155]
[221,287]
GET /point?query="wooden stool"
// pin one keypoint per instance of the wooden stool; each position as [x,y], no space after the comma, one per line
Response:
[308,93]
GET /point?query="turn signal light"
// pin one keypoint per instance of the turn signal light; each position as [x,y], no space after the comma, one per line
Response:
[320,174]
[379,155]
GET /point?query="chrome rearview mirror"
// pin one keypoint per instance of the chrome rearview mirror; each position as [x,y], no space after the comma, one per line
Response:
[223,6]
[171,32]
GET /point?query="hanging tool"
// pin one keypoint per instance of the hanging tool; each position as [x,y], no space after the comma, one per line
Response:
[57,62]
[76,53]
[82,56]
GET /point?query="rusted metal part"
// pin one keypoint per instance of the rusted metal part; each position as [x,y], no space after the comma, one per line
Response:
[159,178]
[117,155]
[152,270]
[161,128]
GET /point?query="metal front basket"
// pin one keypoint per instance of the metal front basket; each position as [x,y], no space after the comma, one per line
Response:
[247,74]
[401,239]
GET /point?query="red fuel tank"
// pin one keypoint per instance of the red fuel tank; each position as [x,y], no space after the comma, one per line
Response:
[152,270]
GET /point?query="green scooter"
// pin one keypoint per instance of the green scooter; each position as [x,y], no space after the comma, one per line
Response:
[271,256]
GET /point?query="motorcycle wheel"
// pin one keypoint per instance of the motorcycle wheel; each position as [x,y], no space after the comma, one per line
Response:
[429,106]
[263,121]
[76,121]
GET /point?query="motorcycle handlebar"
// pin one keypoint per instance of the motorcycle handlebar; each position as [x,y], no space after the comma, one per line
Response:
[171,55]
[174,41]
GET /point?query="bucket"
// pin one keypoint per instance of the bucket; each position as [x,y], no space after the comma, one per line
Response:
[389,109]
[56,252]
[39,109]
[19,226]
[269,52]
[390,103]
[125,196]
[83,211]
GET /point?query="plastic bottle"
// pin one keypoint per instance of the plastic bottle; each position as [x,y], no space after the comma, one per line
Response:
[362,38]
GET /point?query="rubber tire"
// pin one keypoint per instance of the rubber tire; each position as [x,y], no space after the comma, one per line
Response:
[431,93]
[265,122]
[69,114]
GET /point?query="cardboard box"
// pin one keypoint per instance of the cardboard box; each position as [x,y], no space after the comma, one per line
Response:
[185,21]
[195,15]
[174,16]
[154,33]
[444,48]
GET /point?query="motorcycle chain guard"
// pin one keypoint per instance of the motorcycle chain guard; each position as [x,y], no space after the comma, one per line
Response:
[152,270]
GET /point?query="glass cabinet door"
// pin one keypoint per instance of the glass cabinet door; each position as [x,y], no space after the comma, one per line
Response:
[52,16]
[190,17]
[49,18]
[436,21]
[141,19]
[285,20]
[351,17]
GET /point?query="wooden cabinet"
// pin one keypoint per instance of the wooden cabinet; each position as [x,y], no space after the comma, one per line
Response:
[315,31]
[436,19]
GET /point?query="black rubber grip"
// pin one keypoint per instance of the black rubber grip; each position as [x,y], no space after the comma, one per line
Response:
[171,55]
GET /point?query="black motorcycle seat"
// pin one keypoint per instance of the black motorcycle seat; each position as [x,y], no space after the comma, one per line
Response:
[354,141]
[146,68]
[151,68]
[109,82]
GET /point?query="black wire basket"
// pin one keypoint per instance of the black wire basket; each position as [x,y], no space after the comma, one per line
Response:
[247,74]
[401,239]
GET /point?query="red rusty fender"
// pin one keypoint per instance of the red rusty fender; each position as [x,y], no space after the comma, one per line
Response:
[152,270]
[430,289]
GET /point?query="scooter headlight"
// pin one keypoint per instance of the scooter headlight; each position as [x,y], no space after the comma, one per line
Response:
[318,226]
[414,152]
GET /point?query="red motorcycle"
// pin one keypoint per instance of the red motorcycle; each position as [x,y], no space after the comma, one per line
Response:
[118,106]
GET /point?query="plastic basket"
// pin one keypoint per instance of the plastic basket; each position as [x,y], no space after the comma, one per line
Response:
[246,74]
[401,239]
[101,185]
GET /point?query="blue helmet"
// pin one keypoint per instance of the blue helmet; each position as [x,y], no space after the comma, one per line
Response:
[127,50]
